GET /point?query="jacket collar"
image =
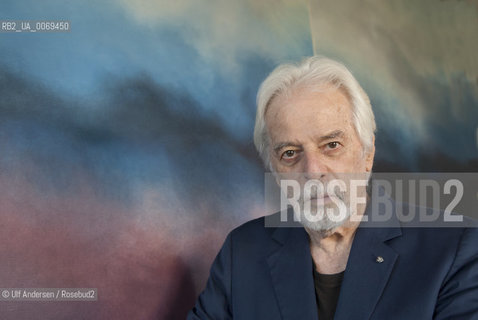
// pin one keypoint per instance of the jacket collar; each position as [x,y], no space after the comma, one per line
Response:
[291,272]
[369,267]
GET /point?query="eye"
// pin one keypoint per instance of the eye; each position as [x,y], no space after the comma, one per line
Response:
[332,145]
[288,154]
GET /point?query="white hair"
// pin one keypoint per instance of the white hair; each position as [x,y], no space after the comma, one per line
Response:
[313,72]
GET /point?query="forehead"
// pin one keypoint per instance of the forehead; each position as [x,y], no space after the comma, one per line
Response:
[304,112]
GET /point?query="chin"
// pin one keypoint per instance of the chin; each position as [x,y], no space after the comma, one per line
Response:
[325,224]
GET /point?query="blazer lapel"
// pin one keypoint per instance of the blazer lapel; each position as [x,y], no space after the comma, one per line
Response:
[368,269]
[291,271]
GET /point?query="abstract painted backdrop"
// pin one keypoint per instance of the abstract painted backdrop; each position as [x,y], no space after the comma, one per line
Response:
[126,149]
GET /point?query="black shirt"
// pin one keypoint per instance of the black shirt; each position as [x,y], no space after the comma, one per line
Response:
[327,290]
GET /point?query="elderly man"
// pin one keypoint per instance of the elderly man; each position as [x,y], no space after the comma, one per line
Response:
[315,121]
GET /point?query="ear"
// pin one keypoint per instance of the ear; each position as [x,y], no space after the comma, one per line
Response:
[370,156]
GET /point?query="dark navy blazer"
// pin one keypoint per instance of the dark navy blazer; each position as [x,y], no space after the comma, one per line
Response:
[266,273]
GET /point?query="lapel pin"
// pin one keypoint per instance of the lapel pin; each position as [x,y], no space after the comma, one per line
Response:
[380,259]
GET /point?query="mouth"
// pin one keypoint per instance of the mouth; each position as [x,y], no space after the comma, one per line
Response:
[324,199]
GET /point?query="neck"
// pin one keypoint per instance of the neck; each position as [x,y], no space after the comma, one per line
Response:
[330,249]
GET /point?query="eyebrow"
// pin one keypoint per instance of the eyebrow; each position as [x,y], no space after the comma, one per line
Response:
[329,136]
[332,135]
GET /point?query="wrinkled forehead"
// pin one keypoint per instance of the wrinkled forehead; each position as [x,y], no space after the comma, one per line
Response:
[309,110]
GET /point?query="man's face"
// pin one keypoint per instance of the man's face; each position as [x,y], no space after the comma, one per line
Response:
[312,136]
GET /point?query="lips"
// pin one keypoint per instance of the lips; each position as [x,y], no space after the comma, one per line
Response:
[315,198]
[324,198]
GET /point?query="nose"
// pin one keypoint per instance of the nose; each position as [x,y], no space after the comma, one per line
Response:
[313,166]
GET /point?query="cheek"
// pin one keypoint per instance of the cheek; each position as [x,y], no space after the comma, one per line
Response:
[360,164]
[355,162]
[276,165]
